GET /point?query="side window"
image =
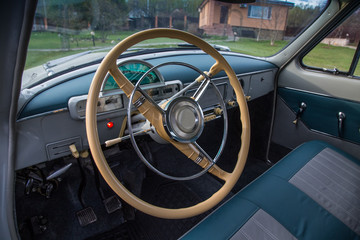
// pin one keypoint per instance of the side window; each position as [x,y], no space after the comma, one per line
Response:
[338,52]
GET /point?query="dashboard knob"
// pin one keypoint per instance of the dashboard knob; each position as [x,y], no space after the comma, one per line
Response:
[218,111]
[231,103]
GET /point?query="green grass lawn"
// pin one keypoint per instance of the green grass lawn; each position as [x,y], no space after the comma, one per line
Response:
[50,40]
[327,56]
[50,45]
[252,47]
[323,56]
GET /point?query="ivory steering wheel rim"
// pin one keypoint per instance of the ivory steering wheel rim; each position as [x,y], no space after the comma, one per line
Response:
[109,65]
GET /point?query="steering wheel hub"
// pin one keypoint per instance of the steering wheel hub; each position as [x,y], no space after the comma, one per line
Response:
[184,119]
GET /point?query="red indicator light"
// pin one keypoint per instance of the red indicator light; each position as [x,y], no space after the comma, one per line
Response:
[110,124]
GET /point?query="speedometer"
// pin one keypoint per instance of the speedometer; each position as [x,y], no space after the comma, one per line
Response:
[133,70]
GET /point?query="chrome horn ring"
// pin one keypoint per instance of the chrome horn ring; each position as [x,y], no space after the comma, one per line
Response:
[131,132]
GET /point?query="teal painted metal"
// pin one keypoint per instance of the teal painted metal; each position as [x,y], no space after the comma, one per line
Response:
[240,64]
[57,96]
[321,112]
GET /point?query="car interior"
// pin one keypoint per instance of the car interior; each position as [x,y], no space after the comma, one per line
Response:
[190,141]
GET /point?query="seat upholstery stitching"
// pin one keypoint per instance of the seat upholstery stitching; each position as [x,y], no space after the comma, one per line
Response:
[264,229]
[245,234]
[338,167]
[335,183]
[322,196]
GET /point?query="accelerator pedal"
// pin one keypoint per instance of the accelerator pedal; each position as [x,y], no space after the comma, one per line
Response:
[112,204]
[86,216]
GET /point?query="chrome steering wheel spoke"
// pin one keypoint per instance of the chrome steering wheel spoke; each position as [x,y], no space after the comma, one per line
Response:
[201,89]
[150,99]
[183,120]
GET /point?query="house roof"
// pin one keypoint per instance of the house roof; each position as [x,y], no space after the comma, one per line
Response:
[276,2]
[202,4]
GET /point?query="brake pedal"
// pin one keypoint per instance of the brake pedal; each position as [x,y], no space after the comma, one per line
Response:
[112,204]
[86,216]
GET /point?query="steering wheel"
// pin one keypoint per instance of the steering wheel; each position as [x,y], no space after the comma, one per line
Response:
[150,110]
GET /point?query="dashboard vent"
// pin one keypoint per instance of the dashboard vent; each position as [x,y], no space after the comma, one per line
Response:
[61,148]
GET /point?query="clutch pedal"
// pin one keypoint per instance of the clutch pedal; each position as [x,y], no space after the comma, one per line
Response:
[86,216]
[112,204]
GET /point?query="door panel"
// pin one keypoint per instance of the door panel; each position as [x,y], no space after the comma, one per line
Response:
[321,113]
[287,134]
[324,100]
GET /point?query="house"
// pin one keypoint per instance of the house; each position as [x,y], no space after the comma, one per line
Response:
[264,19]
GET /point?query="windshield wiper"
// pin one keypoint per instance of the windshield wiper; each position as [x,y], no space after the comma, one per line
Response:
[58,61]
[53,63]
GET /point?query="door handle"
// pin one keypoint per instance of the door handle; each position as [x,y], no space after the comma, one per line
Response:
[341,118]
[302,108]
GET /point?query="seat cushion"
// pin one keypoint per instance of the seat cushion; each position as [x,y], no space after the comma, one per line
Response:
[313,193]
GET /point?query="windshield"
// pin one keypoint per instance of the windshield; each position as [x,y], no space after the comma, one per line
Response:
[70,33]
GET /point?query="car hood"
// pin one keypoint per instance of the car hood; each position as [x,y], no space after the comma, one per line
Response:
[37,74]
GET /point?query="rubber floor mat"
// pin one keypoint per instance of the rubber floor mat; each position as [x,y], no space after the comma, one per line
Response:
[126,231]
[170,195]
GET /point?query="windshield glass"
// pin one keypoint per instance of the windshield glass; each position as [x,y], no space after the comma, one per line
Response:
[69,33]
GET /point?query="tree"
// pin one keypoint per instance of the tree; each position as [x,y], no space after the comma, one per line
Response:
[349,29]
[275,15]
[263,12]
[62,15]
[300,16]
[109,15]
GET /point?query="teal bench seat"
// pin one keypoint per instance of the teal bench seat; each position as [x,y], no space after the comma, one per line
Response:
[313,193]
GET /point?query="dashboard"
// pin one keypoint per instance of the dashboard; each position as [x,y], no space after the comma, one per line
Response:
[51,116]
